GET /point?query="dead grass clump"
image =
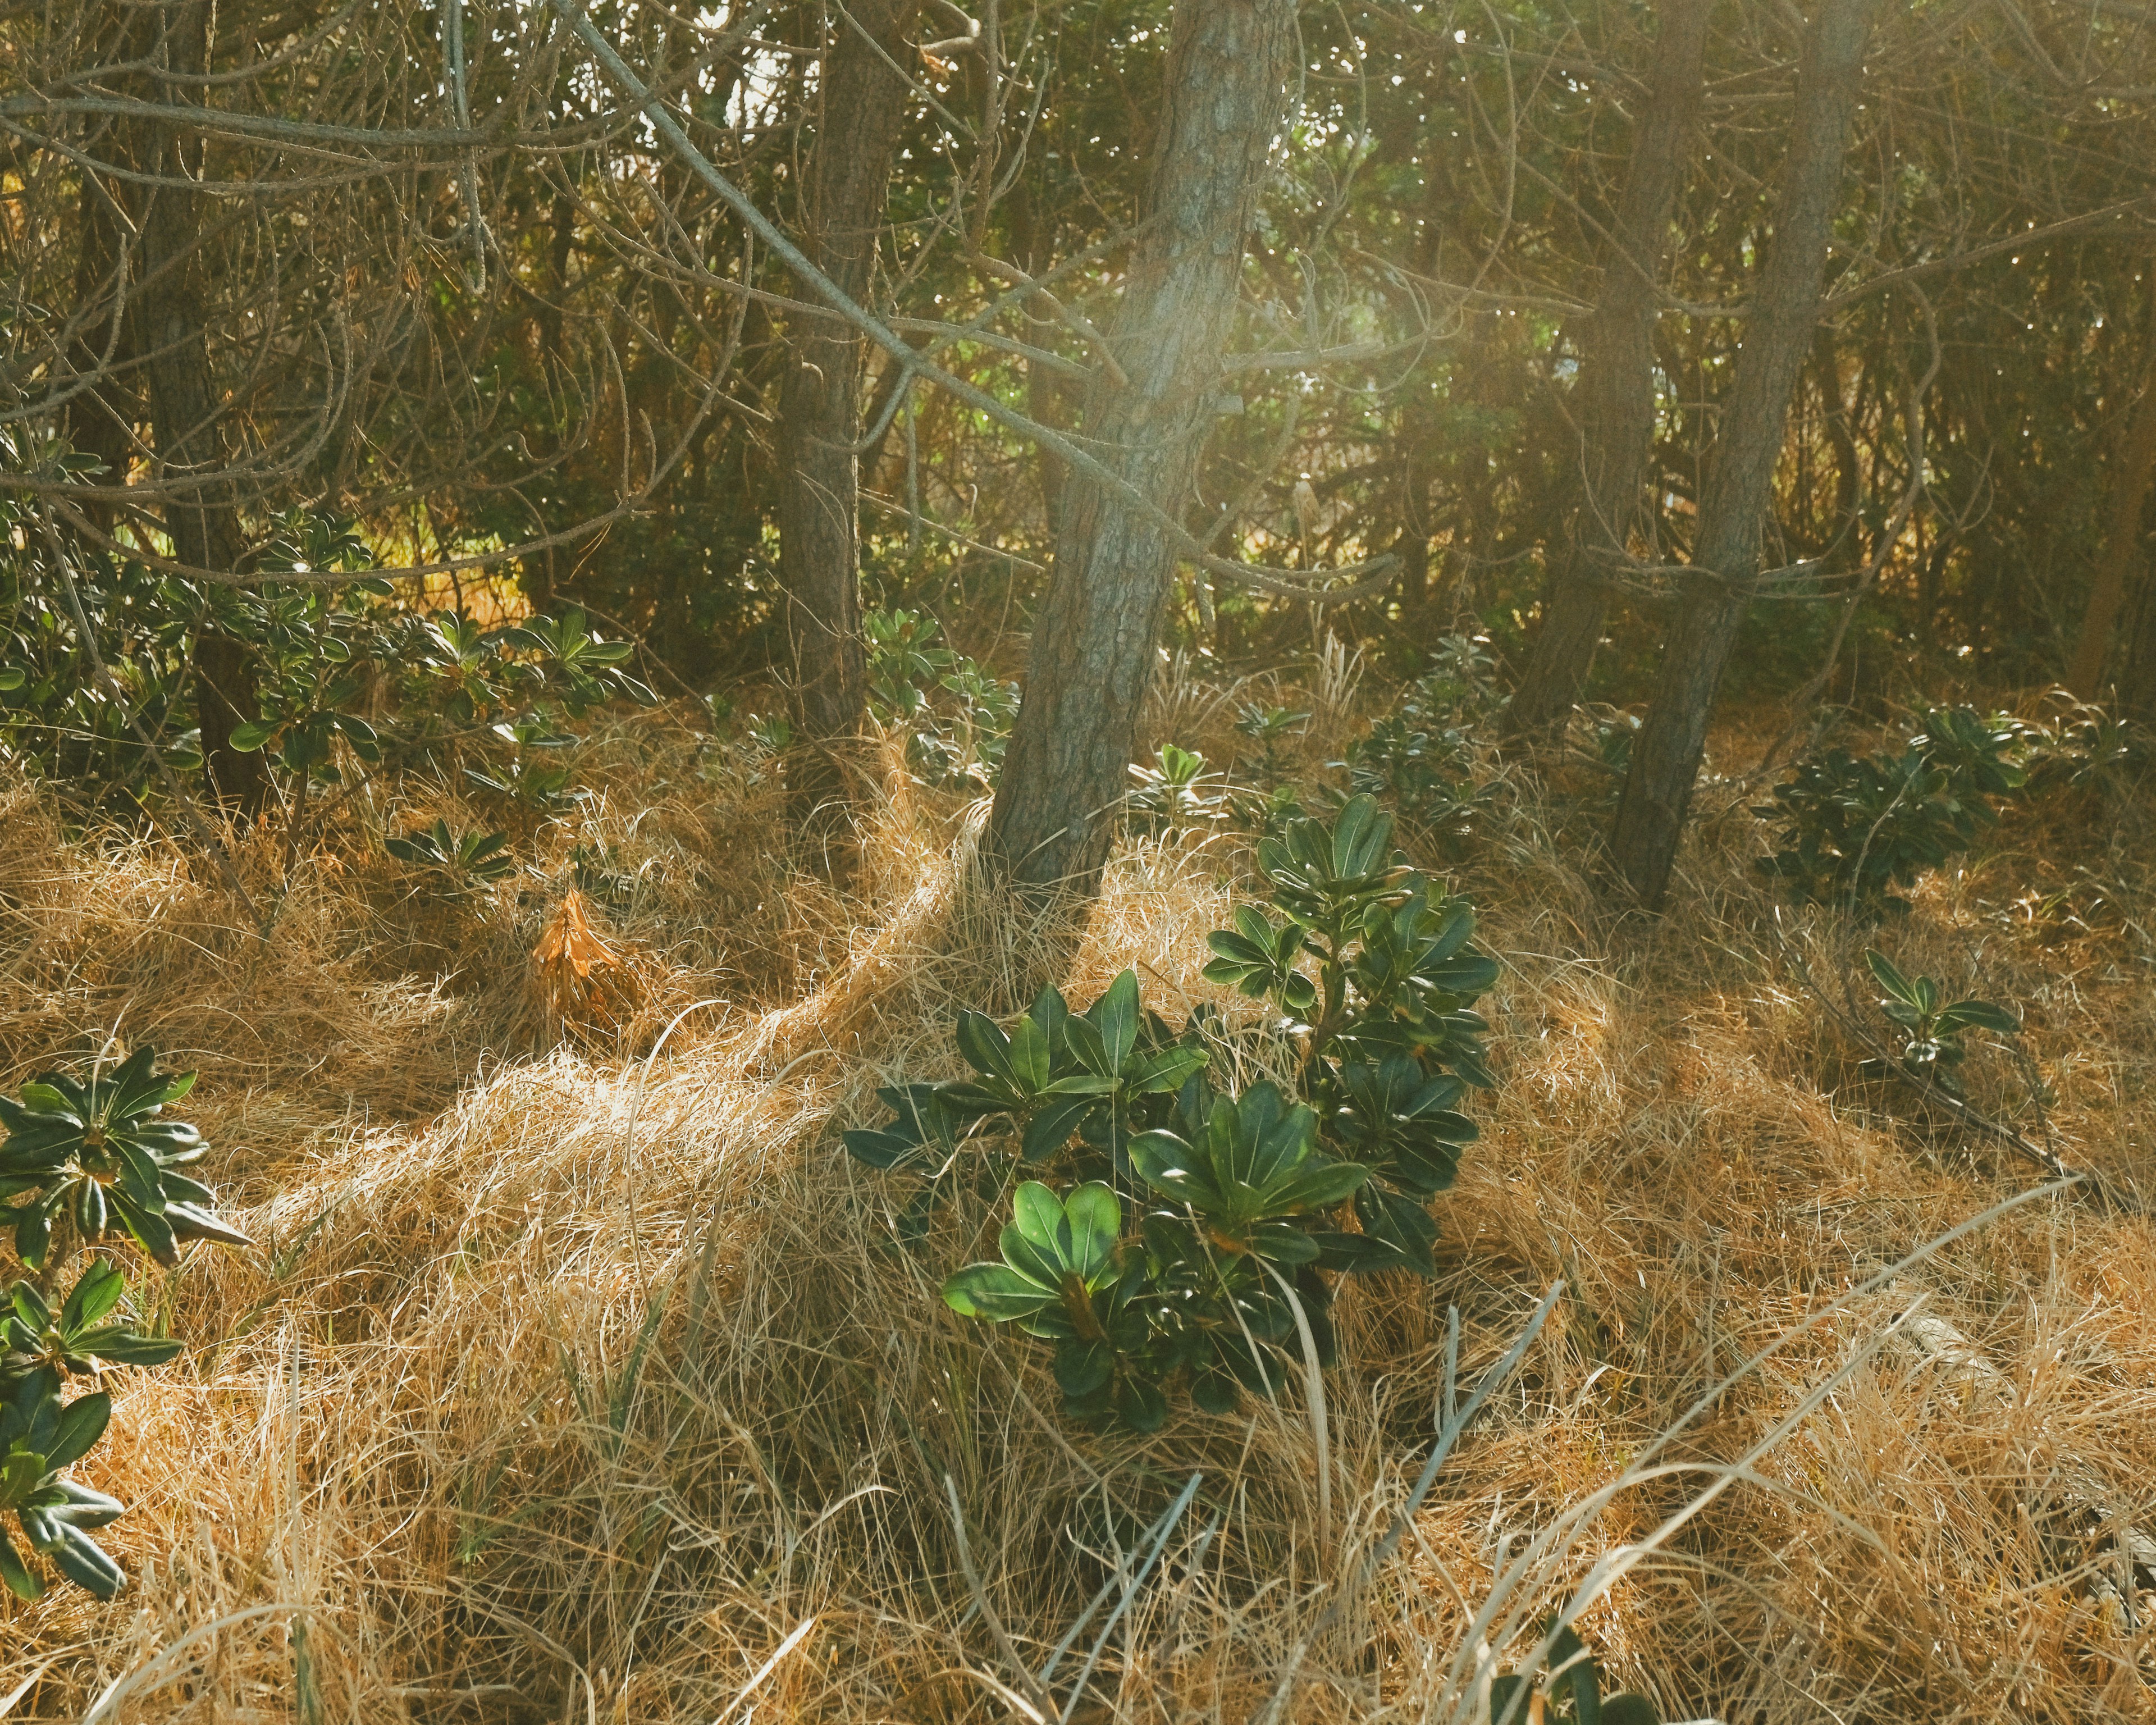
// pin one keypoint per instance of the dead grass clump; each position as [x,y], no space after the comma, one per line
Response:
[601,1386]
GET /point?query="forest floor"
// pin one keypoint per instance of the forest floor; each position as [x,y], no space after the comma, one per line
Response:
[585,1380]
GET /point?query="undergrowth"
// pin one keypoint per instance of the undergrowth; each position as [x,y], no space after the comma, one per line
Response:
[580,1372]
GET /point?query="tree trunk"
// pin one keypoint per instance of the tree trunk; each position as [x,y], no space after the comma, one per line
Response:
[1777,333]
[1093,641]
[2136,681]
[2121,543]
[864,105]
[200,513]
[1616,390]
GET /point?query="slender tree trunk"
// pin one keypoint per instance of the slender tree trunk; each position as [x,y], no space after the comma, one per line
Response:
[170,333]
[1616,390]
[2121,543]
[1093,642]
[864,104]
[1777,333]
[1843,527]
[2137,681]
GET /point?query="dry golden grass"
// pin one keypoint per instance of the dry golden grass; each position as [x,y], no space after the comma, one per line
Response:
[582,1381]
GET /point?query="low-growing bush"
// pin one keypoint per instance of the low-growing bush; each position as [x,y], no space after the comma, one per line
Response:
[1852,828]
[97,1156]
[1187,1245]
[1931,1026]
[957,716]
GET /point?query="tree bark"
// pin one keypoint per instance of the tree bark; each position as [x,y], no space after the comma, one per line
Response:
[2122,544]
[1224,98]
[864,105]
[170,335]
[1778,332]
[2137,681]
[1616,390]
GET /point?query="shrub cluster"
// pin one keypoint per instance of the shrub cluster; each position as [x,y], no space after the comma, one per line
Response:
[1181,1244]
[1851,829]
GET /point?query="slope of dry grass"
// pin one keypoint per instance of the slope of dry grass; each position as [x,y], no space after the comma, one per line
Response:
[583,1379]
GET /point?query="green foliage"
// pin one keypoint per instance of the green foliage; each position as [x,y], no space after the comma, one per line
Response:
[459,861]
[1978,754]
[1932,1026]
[1388,1041]
[1610,735]
[904,662]
[2086,748]
[527,777]
[1176,793]
[1420,758]
[595,868]
[1461,679]
[1205,1291]
[955,716]
[99,1154]
[771,734]
[1421,774]
[312,659]
[40,1437]
[303,542]
[1266,814]
[342,674]
[453,673]
[581,666]
[1270,727]
[1852,828]
[82,1337]
[58,720]
[1188,1249]
[1099,1077]
[1570,1685]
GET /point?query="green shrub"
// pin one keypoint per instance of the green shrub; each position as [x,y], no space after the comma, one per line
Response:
[1176,793]
[1270,727]
[1852,828]
[528,778]
[1185,1248]
[1419,759]
[954,738]
[1387,1039]
[1422,774]
[100,1155]
[96,1154]
[342,674]
[458,861]
[1932,1026]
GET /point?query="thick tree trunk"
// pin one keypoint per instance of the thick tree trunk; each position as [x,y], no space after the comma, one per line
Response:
[1616,390]
[1777,333]
[864,105]
[169,326]
[1094,639]
[2122,544]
